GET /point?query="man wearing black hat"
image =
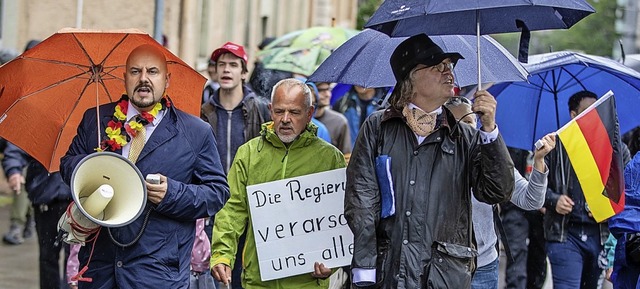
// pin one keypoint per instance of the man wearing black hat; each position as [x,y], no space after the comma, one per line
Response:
[411,175]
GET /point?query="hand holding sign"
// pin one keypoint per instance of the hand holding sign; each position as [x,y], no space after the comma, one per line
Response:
[320,271]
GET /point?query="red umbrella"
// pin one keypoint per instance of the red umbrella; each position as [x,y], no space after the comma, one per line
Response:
[45,91]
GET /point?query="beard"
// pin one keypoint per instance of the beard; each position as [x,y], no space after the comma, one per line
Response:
[287,139]
[143,103]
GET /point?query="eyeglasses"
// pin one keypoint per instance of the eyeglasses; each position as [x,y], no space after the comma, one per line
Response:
[442,66]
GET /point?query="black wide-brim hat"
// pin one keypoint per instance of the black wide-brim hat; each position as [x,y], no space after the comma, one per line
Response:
[417,49]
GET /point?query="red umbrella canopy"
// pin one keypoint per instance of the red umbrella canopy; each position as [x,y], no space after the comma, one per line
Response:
[45,91]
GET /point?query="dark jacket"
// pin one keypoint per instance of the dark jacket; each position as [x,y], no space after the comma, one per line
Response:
[182,147]
[42,187]
[556,226]
[14,161]
[429,237]
[252,112]
[350,106]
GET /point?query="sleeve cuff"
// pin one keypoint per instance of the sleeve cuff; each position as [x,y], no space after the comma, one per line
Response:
[489,137]
[220,260]
[364,277]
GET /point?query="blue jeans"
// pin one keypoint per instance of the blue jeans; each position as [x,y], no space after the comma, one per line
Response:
[486,277]
[574,263]
[202,280]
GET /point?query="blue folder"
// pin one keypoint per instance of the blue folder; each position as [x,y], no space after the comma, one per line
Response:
[385,184]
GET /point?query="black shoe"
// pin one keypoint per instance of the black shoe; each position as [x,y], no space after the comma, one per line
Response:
[14,236]
[29,228]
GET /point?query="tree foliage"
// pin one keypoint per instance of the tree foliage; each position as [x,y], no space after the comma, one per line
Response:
[365,10]
[594,34]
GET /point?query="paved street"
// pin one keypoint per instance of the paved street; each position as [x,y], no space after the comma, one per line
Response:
[18,264]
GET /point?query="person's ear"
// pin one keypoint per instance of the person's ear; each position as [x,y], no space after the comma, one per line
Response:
[167,79]
[312,109]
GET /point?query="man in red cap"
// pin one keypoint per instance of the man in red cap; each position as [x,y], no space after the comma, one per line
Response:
[234,111]
[229,47]
[233,107]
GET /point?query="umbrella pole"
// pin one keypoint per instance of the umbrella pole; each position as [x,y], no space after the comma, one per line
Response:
[98,113]
[478,48]
[560,154]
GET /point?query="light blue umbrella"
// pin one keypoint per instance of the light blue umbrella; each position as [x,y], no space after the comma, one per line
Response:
[364,60]
[529,110]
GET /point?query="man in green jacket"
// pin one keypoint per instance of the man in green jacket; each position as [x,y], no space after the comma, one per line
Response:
[288,147]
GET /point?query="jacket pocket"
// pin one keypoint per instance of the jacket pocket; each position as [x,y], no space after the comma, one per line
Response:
[450,267]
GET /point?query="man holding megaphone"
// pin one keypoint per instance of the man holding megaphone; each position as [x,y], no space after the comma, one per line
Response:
[146,226]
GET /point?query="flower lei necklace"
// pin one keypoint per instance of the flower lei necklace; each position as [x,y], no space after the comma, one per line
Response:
[118,137]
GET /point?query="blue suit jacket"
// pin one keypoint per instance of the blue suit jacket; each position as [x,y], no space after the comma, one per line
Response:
[183,148]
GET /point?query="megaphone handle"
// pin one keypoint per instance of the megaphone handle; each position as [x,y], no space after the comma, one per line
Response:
[59,238]
[144,226]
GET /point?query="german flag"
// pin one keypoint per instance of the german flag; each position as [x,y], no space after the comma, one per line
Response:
[592,142]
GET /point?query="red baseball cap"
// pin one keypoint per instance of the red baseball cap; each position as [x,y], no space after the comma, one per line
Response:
[232,48]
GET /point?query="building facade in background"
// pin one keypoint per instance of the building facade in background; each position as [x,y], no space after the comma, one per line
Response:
[628,26]
[192,28]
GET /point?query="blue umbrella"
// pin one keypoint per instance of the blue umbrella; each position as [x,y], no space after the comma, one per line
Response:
[364,60]
[528,110]
[433,17]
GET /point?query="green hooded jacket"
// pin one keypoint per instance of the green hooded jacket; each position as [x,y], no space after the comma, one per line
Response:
[260,160]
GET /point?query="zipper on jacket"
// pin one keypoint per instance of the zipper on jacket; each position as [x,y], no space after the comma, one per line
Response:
[284,163]
[229,116]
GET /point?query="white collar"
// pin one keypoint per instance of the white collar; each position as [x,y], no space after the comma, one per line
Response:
[132,112]
[437,110]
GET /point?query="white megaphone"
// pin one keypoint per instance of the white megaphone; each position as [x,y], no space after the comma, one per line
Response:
[108,190]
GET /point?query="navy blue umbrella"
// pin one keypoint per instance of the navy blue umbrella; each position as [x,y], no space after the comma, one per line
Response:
[437,17]
[433,17]
[529,110]
[364,60]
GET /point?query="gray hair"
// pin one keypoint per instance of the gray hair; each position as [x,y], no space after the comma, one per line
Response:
[404,91]
[289,83]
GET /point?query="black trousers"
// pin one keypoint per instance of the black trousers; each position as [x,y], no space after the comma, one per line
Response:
[47,217]
[528,269]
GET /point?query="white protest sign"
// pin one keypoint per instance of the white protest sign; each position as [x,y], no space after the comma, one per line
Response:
[300,221]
